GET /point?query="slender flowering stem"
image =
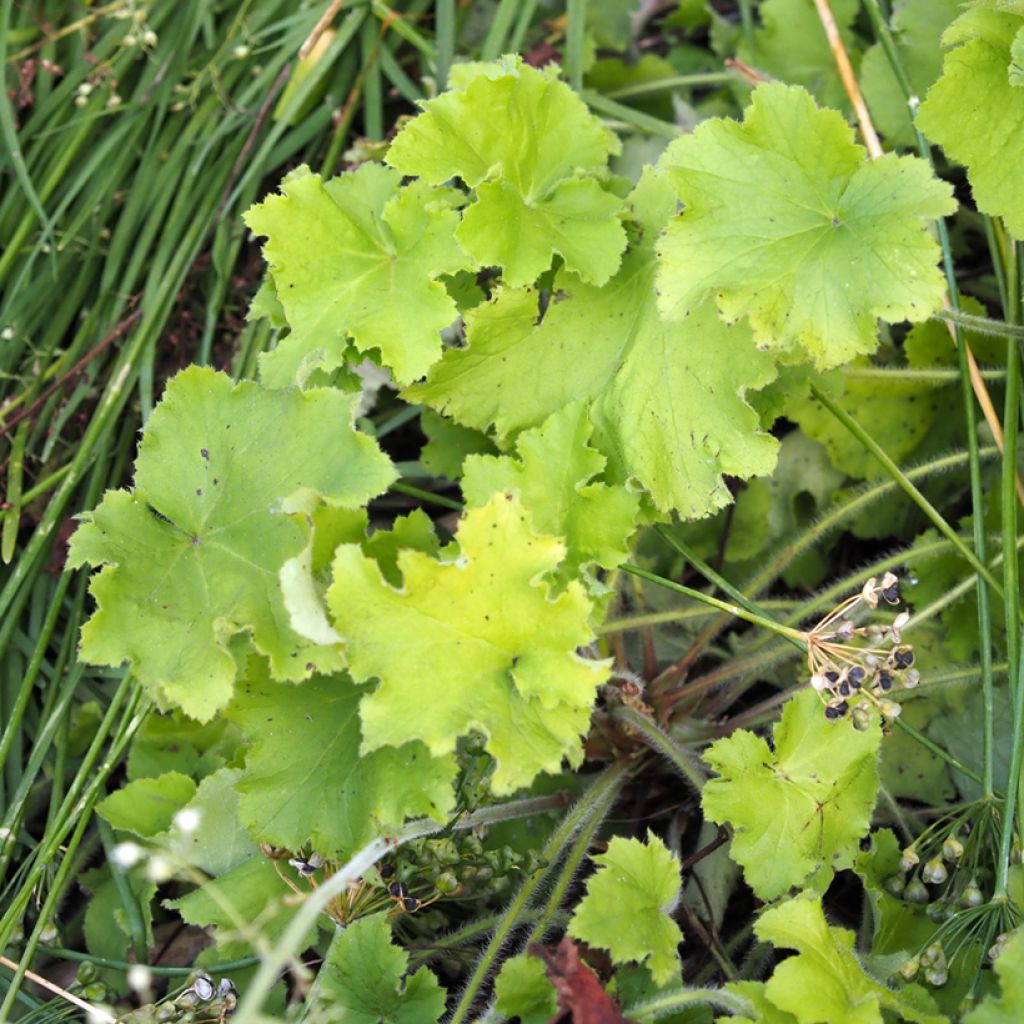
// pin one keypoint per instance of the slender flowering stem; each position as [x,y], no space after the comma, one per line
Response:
[794,636]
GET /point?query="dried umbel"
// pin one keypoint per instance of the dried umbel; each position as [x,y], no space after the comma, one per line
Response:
[853,668]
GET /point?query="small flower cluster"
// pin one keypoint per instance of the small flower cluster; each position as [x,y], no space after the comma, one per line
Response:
[932,963]
[935,871]
[851,668]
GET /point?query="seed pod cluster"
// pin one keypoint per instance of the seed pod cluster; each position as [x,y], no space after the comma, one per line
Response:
[854,668]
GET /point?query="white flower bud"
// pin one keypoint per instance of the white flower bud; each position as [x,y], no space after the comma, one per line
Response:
[187,820]
[127,855]
[909,968]
[241,51]
[159,869]
[952,849]
[140,978]
[934,872]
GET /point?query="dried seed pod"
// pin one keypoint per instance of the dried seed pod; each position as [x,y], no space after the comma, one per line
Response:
[861,717]
[902,658]
[890,710]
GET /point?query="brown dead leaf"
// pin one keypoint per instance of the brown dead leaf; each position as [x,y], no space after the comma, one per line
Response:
[581,997]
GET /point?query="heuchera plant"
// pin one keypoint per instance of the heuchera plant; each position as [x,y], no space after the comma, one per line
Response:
[601,346]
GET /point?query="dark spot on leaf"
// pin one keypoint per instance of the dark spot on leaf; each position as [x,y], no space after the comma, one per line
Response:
[205,454]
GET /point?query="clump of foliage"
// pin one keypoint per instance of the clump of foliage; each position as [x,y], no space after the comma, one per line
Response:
[404,738]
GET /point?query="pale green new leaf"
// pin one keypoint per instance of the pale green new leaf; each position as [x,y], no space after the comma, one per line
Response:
[666,399]
[629,903]
[1008,1006]
[305,782]
[801,809]
[364,978]
[482,634]
[825,983]
[552,478]
[535,156]
[786,222]
[975,111]
[224,478]
[359,256]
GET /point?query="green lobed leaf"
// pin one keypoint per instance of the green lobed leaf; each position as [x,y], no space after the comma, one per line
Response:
[553,480]
[800,810]
[224,478]
[358,256]
[917,27]
[522,990]
[787,223]
[364,978]
[147,807]
[754,993]
[825,982]
[666,399]
[305,782]
[1008,1006]
[899,413]
[247,906]
[791,46]
[174,742]
[105,924]
[215,840]
[976,112]
[498,651]
[534,155]
[629,903]
[448,444]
